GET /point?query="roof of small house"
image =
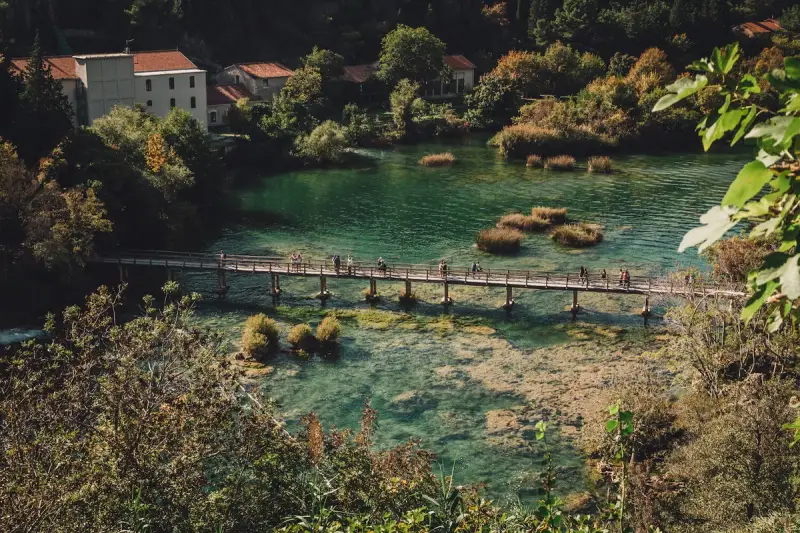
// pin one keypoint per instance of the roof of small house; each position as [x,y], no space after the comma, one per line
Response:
[266,70]
[459,63]
[358,73]
[61,67]
[158,60]
[751,29]
[228,94]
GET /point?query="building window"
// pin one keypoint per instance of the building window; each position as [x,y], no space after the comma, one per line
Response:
[172,84]
[171,103]
[213,117]
[149,103]
[238,80]
[194,102]
[266,82]
[148,85]
[460,81]
[191,82]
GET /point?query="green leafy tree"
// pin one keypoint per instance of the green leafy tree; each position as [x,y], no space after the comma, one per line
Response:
[411,53]
[46,112]
[401,100]
[325,144]
[329,64]
[776,284]
[790,19]
[574,20]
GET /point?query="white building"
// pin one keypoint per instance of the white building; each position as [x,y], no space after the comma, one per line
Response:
[159,81]
[263,80]
[220,100]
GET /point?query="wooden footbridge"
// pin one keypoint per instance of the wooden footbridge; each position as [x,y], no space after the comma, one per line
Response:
[277,267]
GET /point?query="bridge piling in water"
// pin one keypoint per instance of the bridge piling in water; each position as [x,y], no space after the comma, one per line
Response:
[446,300]
[276,284]
[575,307]
[323,288]
[509,305]
[372,294]
[646,309]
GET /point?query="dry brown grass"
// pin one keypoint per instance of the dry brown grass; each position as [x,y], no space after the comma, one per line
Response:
[523,222]
[534,161]
[555,215]
[499,240]
[438,160]
[601,164]
[577,235]
[560,162]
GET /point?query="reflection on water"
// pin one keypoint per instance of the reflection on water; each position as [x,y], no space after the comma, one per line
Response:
[430,374]
[17,335]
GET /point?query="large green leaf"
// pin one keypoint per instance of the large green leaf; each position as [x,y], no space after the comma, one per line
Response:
[790,279]
[728,121]
[746,123]
[781,130]
[680,90]
[716,223]
[758,300]
[725,59]
[775,264]
[747,184]
[749,85]
[791,65]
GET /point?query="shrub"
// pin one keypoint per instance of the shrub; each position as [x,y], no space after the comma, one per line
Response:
[325,144]
[520,140]
[438,160]
[733,259]
[259,336]
[328,330]
[560,162]
[499,240]
[300,335]
[534,161]
[523,222]
[555,215]
[601,164]
[577,235]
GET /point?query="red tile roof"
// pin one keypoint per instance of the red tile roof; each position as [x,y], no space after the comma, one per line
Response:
[228,94]
[358,73]
[458,63]
[61,67]
[161,60]
[752,29]
[266,70]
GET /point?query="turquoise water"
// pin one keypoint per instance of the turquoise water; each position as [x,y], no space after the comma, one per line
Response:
[443,378]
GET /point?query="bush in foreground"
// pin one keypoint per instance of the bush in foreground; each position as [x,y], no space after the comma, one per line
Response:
[328,330]
[300,336]
[534,161]
[259,336]
[520,140]
[499,240]
[577,235]
[523,222]
[438,160]
[601,164]
[555,215]
[560,162]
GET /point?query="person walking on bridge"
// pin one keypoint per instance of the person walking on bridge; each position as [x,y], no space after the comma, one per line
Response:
[222,256]
[349,264]
[337,262]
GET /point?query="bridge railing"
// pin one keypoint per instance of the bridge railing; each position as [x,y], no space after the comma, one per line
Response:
[400,272]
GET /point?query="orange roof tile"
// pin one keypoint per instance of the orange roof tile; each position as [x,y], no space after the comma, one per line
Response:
[458,63]
[755,28]
[161,60]
[358,73]
[228,94]
[61,67]
[266,70]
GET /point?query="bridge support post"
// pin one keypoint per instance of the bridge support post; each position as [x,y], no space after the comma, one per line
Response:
[646,309]
[222,283]
[121,274]
[276,285]
[447,300]
[407,296]
[323,288]
[372,293]
[575,307]
[509,305]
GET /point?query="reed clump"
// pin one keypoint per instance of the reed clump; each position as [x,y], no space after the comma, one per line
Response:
[499,240]
[445,159]
[328,330]
[522,222]
[300,336]
[601,165]
[578,235]
[554,215]
[534,161]
[259,335]
[560,162]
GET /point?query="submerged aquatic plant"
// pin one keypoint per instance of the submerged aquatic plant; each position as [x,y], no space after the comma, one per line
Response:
[523,222]
[577,235]
[438,160]
[560,162]
[499,240]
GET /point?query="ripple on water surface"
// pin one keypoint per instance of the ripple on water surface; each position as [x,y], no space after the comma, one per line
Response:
[419,375]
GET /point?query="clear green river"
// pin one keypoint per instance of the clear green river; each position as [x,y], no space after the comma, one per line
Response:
[468,382]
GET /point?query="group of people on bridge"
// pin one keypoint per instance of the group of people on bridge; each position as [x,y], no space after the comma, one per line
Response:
[624,276]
